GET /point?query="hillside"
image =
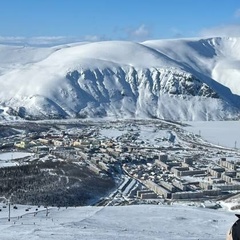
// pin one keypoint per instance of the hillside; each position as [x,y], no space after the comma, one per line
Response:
[145,222]
[182,79]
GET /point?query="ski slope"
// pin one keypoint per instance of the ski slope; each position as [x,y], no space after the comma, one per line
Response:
[143,222]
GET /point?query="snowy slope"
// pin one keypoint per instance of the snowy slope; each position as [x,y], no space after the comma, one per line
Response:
[144,222]
[215,57]
[188,79]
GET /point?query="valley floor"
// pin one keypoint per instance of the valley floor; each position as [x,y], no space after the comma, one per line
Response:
[135,222]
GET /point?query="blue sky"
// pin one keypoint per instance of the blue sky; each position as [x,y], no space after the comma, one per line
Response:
[119,19]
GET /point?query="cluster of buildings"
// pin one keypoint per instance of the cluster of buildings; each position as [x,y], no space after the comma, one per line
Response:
[185,179]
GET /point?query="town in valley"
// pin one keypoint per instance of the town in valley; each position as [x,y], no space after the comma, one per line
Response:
[113,162]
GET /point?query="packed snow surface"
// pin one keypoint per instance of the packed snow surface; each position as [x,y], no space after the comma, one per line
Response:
[184,79]
[14,155]
[143,222]
[7,159]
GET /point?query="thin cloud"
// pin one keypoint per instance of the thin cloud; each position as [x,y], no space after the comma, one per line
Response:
[140,33]
[38,41]
[237,13]
[222,31]
[48,40]
[95,38]
[176,33]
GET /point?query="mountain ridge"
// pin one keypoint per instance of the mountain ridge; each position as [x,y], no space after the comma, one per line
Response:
[177,79]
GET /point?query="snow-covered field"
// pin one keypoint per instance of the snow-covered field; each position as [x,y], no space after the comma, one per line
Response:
[151,135]
[223,133]
[112,133]
[14,155]
[142,222]
[7,158]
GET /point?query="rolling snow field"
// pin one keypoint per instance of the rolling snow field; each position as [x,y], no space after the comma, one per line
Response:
[140,222]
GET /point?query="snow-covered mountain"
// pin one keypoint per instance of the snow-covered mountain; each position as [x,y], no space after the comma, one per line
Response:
[181,79]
